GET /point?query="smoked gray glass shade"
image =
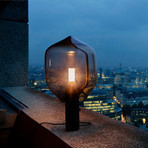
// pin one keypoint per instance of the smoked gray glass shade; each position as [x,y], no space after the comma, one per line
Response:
[70,61]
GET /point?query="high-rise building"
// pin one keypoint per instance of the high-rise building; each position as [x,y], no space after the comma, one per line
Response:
[98,101]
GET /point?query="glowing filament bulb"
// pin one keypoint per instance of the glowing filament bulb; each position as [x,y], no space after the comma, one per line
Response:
[71,74]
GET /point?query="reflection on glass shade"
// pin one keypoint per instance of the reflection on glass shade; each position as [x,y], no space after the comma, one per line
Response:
[70,61]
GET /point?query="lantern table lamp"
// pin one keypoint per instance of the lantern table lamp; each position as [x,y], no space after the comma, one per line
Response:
[71,74]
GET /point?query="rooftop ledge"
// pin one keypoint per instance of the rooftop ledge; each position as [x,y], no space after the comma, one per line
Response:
[103,132]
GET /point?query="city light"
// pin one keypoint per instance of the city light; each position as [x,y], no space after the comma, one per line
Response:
[35,83]
[127,94]
[143,120]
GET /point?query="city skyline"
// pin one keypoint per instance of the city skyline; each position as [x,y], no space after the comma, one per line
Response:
[121,94]
[117,30]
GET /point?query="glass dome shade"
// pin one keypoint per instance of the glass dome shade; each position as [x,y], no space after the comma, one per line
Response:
[70,62]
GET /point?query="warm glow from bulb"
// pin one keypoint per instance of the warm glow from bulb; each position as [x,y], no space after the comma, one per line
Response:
[71,52]
[144,120]
[71,74]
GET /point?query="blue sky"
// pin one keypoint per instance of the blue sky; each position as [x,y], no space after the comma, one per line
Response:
[116,29]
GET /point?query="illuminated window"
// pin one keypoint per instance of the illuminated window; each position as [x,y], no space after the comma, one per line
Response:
[92,104]
[91,97]
[112,108]
[87,102]
[98,104]
[105,109]
[95,101]
[90,107]
[112,111]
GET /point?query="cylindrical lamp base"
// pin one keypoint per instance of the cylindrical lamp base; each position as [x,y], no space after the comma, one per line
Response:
[72,109]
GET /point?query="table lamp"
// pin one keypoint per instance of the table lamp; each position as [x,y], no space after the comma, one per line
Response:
[71,74]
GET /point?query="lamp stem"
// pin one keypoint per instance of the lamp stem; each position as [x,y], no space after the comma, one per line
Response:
[72,109]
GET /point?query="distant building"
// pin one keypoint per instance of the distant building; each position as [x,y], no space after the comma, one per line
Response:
[119,76]
[110,92]
[139,116]
[131,96]
[120,94]
[104,78]
[98,101]
[37,78]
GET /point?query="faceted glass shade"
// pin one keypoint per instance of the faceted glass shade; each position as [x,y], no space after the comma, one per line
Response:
[70,61]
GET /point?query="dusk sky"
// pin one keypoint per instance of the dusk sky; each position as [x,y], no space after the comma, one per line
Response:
[116,29]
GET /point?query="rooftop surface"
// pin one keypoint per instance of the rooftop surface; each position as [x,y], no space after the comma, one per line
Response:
[103,132]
